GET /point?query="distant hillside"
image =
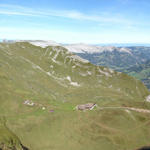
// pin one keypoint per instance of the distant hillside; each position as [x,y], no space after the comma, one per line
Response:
[118,58]
[141,72]
[129,60]
[41,86]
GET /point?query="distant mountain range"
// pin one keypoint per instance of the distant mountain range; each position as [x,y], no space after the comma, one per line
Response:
[131,60]
[114,57]
[125,44]
[98,44]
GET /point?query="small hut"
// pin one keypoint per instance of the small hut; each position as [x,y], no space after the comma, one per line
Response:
[88,106]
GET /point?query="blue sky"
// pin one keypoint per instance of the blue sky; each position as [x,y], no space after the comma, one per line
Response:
[75,21]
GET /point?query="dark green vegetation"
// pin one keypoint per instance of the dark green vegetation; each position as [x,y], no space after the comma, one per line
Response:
[115,59]
[135,63]
[141,72]
[119,60]
[58,80]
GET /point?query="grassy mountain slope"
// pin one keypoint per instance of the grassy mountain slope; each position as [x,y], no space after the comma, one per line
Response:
[57,80]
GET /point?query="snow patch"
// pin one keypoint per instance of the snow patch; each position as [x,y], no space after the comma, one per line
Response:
[48,73]
[50,53]
[89,73]
[111,71]
[46,52]
[56,61]
[69,78]
[75,84]
[44,44]
[105,73]
[51,66]
[71,82]
[148,98]
[33,65]
[73,67]
[57,53]
[43,108]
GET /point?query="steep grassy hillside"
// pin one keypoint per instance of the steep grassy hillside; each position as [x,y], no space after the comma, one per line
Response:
[54,81]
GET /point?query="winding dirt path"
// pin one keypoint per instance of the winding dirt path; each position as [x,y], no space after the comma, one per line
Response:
[128,108]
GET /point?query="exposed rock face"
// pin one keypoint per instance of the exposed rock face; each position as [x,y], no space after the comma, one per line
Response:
[148,98]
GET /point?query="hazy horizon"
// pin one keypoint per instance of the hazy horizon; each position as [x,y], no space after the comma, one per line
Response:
[94,44]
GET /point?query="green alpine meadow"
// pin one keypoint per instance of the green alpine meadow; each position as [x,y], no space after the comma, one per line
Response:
[52,99]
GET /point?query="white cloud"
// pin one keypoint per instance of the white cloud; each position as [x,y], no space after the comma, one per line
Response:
[110,28]
[70,14]
[6,12]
